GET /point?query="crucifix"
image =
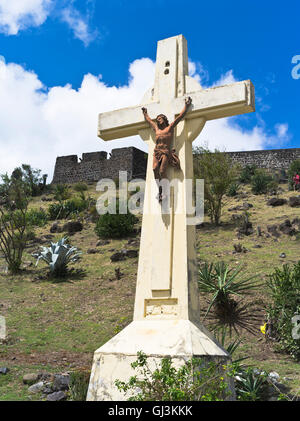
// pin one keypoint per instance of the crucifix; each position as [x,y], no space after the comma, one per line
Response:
[166,310]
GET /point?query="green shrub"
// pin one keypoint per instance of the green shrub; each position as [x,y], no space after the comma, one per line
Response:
[260,182]
[233,189]
[75,206]
[272,187]
[218,173]
[246,173]
[55,210]
[61,192]
[80,187]
[195,380]
[115,225]
[79,383]
[67,209]
[284,285]
[37,217]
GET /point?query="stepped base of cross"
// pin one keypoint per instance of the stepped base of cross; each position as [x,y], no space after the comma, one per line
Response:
[178,339]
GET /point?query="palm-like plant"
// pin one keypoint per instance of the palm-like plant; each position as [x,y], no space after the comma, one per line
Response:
[58,256]
[222,283]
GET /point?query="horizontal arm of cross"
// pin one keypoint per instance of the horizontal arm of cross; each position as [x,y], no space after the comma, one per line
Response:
[219,102]
[212,103]
[125,122]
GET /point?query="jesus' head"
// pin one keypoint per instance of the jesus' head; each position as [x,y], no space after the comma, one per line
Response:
[162,121]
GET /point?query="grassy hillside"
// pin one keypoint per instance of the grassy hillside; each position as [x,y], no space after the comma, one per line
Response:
[56,325]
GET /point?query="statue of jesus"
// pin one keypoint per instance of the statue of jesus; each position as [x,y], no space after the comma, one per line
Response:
[163,154]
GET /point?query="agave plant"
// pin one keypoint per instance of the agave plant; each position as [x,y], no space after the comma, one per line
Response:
[58,256]
[251,385]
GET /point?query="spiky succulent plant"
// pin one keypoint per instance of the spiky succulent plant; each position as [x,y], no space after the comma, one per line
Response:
[58,256]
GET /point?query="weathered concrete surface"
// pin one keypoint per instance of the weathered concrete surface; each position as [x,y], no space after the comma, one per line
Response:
[178,339]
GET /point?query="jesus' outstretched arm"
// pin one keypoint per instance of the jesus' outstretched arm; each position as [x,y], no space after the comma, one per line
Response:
[148,119]
[187,103]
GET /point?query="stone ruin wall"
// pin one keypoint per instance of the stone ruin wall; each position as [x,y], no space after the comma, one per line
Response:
[95,165]
[272,160]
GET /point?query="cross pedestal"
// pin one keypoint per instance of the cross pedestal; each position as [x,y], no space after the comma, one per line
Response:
[166,318]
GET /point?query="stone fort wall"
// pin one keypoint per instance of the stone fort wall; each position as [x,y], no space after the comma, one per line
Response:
[273,159]
[95,165]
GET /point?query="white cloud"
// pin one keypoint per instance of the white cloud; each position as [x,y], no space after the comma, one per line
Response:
[198,72]
[226,79]
[17,15]
[282,130]
[78,24]
[37,125]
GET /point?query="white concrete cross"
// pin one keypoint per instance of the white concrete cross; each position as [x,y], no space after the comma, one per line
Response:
[166,318]
[172,83]
[166,254]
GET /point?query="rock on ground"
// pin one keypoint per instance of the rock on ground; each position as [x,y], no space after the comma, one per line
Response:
[118,256]
[72,226]
[36,388]
[61,382]
[294,201]
[31,378]
[57,396]
[276,201]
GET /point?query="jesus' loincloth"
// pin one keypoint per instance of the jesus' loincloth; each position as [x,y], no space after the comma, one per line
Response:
[161,151]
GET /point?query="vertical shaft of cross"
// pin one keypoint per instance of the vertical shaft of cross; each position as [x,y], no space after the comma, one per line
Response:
[167,257]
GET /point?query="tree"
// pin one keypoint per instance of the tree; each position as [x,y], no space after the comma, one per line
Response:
[31,177]
[35,180]
[13,219]
[218,172]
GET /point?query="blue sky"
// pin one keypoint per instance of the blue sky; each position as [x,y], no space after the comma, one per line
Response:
[63,62]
